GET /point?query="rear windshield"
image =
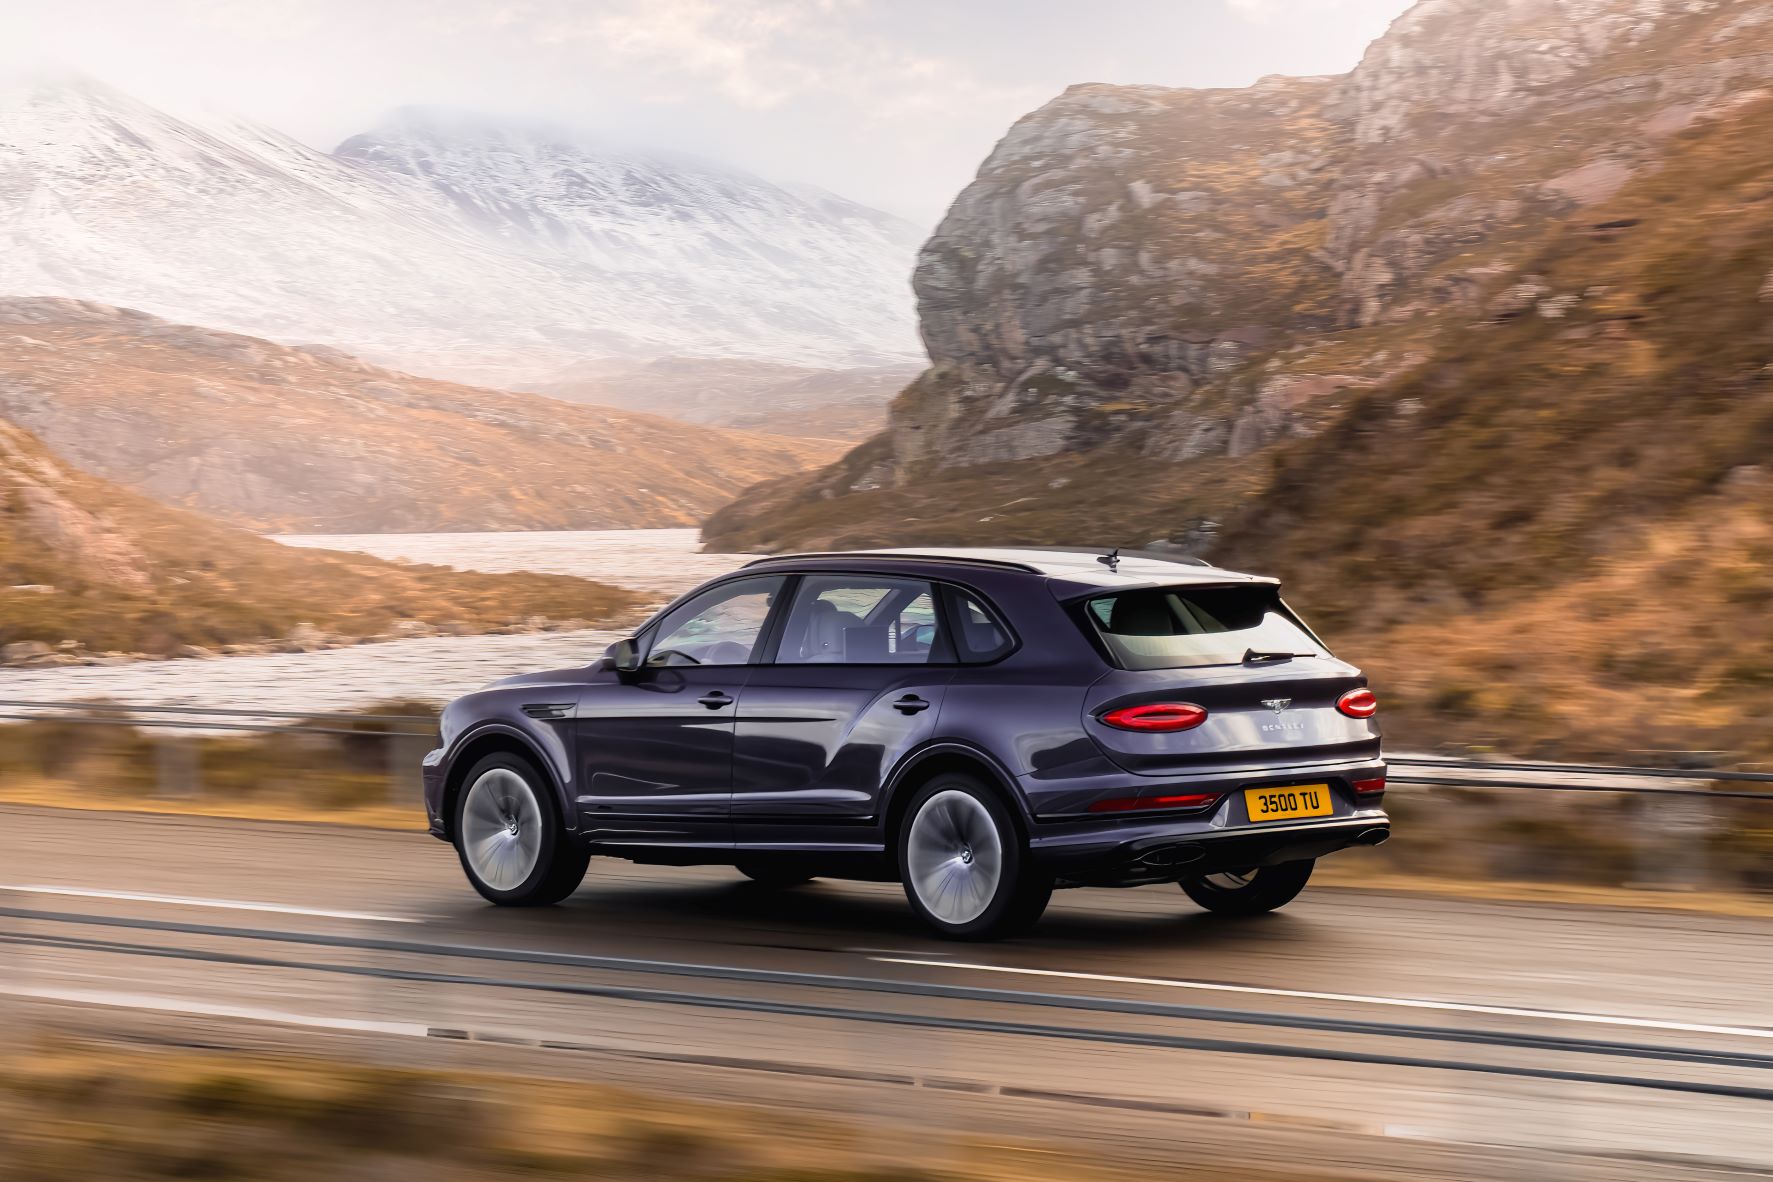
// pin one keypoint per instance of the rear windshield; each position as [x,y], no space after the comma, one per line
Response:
[1182,627]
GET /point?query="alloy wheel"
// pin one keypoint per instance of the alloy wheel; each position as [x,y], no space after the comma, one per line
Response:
[954,857]
[502,829]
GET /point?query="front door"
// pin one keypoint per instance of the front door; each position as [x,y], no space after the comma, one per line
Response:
[857,681]
[655,746]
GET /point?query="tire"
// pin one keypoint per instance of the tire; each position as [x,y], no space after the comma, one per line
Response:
[776,877]
[963,864]
[1250,892]
[509,836]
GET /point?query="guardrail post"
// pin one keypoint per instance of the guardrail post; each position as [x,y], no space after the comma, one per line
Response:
[405,751]
[1678,834]
[178,768]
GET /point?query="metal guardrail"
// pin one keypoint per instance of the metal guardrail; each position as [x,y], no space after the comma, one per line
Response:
[211,718]
[1584,769]
[1622,789]
[1406,770]
[178,764]
[1427,771]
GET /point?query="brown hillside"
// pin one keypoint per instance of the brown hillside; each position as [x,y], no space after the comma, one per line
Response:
[1571,497]
[1518,472]
[85,561]
[313,440]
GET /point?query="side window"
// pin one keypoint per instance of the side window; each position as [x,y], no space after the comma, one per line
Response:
[862,620]
[979,635]
[718,627]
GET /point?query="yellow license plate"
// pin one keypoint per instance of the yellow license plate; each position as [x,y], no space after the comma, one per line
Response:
[1288,804]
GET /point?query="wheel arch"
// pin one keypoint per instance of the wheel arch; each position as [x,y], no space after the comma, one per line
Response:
[490,740]
[928,762]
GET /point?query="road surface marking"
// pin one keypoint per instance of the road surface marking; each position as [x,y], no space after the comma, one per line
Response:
[219,904]
[175,1005]
[1359,998]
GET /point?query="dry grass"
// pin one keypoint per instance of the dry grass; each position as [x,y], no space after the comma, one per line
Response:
[285,776]
[72,1112]
[115,571]
[1554,536]
[295,440]
[61,794]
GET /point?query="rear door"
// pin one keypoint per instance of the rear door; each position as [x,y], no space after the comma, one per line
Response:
[856,681]
[1269,686]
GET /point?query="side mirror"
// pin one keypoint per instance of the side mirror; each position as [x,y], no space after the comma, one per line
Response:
[623,656]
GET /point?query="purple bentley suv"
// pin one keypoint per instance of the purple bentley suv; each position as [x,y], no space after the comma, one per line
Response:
[983,726]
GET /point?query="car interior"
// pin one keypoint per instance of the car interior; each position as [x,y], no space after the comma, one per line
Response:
[897,628]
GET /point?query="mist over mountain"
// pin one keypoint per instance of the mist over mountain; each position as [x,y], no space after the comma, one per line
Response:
[447,245]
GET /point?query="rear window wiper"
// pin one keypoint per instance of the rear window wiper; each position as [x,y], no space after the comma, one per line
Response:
[1252,657]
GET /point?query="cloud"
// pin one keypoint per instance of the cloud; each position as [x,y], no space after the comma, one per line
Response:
[1270,11]
[894,102]
[756,53]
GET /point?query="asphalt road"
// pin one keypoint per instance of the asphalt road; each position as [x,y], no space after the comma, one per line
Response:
[1354,1031]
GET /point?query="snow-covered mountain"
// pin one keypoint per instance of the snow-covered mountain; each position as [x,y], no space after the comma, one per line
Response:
[444,244]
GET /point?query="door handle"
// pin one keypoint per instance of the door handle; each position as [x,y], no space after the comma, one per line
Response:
[715,700]
[911,704]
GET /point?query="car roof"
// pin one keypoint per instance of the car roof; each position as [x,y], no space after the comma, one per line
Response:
[1085,569]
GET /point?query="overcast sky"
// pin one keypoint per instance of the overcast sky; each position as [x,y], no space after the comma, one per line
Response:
[891,102]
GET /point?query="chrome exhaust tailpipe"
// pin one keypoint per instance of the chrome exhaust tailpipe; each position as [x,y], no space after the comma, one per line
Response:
[1174,855]
[1373,837]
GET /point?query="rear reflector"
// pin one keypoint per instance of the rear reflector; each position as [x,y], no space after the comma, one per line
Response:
[1157,716]
[1135,803]
[1358,703]
[1368,787]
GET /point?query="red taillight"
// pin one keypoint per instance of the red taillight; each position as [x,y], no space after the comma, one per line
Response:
[1157,716]
[1129,804]
[1368,787]
[1358,703]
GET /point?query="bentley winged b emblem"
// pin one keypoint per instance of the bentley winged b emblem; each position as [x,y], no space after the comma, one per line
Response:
[1277,704]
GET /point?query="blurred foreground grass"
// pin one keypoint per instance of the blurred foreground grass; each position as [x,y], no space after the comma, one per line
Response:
[72,1111]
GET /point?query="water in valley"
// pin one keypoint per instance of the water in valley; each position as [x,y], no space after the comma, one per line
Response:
[665,561]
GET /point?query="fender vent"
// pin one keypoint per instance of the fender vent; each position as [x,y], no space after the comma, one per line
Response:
[548,710]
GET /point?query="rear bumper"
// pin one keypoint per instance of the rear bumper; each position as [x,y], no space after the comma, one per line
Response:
[1121,850]
[1160,854]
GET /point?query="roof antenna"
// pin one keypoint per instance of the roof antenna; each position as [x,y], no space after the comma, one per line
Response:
[1111,560]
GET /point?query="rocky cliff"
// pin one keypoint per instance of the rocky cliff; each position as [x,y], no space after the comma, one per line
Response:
[1472,346]
[1193,276]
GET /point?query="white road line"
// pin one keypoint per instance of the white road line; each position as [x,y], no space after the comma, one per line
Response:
[175,1005]
[1358,998]
[220,904]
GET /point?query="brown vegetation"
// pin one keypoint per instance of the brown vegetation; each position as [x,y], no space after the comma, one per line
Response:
[357,768]
[1549,531]
[72,1112]
[85,561]
[311,440]
[1556,531]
